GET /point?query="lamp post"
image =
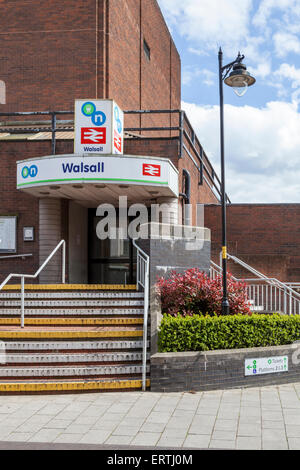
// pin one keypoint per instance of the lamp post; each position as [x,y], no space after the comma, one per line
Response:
[236,76]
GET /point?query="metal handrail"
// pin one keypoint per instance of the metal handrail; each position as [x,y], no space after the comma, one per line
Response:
[33,276]
[184,128]
[143,268]
[262,276]
[270,291]
[16,256]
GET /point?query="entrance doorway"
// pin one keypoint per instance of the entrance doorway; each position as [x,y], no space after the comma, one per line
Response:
[109,261]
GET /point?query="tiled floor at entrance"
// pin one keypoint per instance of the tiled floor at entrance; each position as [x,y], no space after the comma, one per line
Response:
[260,418]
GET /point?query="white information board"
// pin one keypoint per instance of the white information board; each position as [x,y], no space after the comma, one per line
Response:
[8,234]
[99,126]
[266,365]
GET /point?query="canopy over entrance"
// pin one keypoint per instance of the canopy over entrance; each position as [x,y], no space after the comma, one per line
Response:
[92,179]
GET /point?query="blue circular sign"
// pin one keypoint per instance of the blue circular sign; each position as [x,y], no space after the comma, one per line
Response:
[88,109]
[98,118]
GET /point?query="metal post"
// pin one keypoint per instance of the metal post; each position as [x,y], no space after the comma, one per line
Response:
[53,124]
[145,333]
[225,303]
[22,301]
[285,306]
[137,270]
[64,263]
[181,132]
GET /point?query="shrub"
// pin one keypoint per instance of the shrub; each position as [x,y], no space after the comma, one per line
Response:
[193,292]
[205,333]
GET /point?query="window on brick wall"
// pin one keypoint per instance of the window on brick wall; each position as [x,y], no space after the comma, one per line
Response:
[147,50]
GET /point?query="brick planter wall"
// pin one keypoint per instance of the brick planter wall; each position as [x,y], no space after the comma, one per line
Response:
[217,370]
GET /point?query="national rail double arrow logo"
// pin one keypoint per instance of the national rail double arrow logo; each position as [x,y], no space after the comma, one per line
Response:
[93,135]
[151,170]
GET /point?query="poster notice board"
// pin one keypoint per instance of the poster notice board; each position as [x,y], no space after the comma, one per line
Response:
[8,234]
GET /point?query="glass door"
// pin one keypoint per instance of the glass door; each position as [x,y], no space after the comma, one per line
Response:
[110,261]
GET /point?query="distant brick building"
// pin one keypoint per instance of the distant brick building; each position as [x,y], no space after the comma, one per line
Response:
[265,236]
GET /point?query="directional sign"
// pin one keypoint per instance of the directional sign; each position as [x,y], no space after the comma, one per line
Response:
[266,365]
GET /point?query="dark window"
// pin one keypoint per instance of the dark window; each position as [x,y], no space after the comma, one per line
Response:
[147,50]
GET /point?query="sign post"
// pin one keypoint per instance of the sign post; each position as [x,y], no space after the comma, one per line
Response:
[99,126]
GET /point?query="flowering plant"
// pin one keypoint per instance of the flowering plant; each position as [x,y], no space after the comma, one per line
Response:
[194,292]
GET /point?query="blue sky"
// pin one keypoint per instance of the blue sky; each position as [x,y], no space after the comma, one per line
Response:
[262,129]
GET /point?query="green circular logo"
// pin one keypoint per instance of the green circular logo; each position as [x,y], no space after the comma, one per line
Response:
[25,172]
[88,109]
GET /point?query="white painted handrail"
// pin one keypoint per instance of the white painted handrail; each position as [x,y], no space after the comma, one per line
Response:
[263,277]
[33,276]
[265,294]
[142,273]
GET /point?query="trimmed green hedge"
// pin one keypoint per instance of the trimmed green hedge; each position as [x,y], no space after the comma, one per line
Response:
[203,333]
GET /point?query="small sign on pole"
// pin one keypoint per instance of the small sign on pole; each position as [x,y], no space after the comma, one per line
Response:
[99,126]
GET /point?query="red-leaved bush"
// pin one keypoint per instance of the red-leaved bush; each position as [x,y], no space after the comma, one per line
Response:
[193,292]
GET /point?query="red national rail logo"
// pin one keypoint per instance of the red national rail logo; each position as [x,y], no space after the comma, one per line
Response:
[117,141]
[151,170]
[93,135]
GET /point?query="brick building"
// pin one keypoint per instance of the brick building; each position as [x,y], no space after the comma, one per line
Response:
[265,236]
[54,52]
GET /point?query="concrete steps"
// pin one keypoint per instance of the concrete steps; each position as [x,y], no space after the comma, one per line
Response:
[74,339]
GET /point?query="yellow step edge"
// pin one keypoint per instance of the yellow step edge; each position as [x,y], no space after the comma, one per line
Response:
[69,334]
[71,287]
[69,386]
[72,321]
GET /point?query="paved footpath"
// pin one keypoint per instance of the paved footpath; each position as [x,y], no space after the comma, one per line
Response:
[260,418]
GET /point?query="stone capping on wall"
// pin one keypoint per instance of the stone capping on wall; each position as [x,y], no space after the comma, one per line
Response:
[175,231]
[219,370]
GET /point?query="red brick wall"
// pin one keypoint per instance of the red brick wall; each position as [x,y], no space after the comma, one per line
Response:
[15,202]
[160,147]
[266,236]
[47,53]
[52,52]
[154,84]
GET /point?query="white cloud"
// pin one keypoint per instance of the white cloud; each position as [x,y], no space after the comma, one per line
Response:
[266,9]
[191,74]
[198,52]
[210,23]
[262,149]
[285,43]
[290,72]
[262,70]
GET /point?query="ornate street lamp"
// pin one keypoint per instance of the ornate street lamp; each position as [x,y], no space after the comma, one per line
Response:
[236,76]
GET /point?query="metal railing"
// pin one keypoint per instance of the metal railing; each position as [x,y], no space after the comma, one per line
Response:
[264,294]
[142,277]
[62,244]
[188,140]
[28,255]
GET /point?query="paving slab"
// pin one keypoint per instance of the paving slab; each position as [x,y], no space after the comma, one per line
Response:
[260,418]
[248,443]
[197,441]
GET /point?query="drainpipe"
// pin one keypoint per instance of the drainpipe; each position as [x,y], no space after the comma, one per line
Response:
[187,198]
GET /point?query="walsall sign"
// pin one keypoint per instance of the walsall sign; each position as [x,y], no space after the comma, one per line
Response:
[99,127]
[68,169]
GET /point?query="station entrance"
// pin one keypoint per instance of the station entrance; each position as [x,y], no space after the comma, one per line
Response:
[110,261]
